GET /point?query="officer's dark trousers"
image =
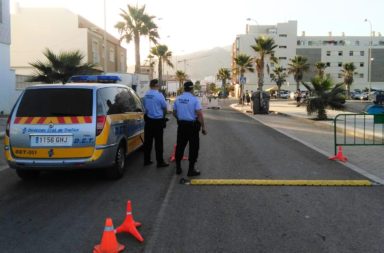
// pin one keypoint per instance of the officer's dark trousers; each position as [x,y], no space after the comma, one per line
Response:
[153,130]
[187,132]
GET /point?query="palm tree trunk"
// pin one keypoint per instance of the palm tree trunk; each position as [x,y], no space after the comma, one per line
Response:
[223,85]
[297,85]
[348,91]
[260,73]
[278,89]
[160,71]
[321,114]
[137,53]
[241,90]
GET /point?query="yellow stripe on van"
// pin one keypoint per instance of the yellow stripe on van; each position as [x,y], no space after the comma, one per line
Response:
[40,153]
[135,142]
[126,116]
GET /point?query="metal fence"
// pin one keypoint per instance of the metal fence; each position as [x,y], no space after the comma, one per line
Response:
[359,130]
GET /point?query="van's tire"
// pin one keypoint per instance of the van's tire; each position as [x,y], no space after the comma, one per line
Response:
[117,170]
[28,174]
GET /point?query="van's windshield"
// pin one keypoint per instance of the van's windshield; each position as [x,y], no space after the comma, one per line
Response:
[54,102]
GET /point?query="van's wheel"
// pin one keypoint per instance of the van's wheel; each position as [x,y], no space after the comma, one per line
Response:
[117,170]
[27,174]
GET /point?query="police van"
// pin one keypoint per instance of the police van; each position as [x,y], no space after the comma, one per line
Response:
[75,125]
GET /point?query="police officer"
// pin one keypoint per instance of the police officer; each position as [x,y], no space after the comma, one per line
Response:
[155,111]
[188,112]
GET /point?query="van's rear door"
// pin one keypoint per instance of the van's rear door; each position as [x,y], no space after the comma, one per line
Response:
[54,123]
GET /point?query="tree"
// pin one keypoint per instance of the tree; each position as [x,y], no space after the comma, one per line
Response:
[136,24]
[279,77]
[347,73]
[320,68]
[164,57]
[298,66]
[243,64]
[60,67]
[197,86]
[181,77]
[224,74]
[264,47]
[212,88]
[324,95]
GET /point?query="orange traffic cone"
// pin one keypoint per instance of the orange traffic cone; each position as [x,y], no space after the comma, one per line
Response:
[129,225]
[109,243]
[173,155]
[339,156]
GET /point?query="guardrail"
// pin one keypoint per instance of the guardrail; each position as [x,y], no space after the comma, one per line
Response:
[358,130]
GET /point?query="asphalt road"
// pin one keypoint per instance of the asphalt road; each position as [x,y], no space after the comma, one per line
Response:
[65,212]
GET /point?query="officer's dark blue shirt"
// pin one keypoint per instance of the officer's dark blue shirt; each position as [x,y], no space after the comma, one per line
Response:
[186,106]
[154,104]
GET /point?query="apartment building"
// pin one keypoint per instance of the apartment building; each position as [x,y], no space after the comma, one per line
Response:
[332,50]
[35,29]
[7,76]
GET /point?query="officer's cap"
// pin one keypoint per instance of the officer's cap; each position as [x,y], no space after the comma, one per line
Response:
[188,85]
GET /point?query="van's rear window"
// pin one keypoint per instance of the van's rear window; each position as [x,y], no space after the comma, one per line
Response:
[52,102]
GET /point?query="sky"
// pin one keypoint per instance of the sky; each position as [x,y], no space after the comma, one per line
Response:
[187,26]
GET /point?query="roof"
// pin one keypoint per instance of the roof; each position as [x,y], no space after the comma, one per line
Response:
[76,85]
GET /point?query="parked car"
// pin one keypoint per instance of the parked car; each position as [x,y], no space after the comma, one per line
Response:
[355,95]
[74,126]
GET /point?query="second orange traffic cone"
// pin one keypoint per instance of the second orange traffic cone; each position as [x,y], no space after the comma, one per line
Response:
[129,225]
[173,155]
[109,243]
[339,156]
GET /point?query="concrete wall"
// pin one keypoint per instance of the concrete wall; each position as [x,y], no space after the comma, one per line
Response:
[8,93]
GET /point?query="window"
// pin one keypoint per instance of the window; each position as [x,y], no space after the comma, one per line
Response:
[361,53]
[106,103]
[361,64]
[122,62]
[328,53]
[112,55]
[282,46]
[328,64]
[95,52]
[283,35]
[357,43]
[282,58]
[340,53]
[340,75]
[350,53]
[54,103]
[340,64]
[1,11]
[361,75]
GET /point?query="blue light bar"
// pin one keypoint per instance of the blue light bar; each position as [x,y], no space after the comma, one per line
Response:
[94,79]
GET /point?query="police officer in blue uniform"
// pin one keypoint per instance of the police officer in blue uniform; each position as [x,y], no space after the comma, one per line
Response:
[155,111]
[188,112]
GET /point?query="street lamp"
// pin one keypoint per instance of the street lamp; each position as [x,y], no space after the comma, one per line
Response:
[369,56]
[105,38]
[254,20]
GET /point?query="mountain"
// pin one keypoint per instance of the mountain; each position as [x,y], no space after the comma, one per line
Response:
[201,64]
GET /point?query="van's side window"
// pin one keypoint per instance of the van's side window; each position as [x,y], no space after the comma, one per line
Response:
[138,104]
[108,101]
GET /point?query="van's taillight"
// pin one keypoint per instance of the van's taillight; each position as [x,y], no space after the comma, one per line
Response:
[100,122]
[8,126]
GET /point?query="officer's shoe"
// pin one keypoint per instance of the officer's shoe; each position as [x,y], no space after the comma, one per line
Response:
[193,173]
[178,170]
[162,164]
[146,163]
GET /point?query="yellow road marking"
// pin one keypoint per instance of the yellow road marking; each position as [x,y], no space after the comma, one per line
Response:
[268,182]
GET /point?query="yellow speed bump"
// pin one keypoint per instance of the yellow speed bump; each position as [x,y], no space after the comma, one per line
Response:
[262,182]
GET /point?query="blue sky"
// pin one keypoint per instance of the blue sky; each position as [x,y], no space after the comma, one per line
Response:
[187,26]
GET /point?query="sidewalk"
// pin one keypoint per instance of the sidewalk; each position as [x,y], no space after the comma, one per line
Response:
[319,135]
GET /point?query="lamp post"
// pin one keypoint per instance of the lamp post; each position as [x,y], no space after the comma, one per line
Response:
[369,56]
[105,39]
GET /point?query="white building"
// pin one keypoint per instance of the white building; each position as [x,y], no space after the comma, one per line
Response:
[35,29]
[332,50]
[8,92]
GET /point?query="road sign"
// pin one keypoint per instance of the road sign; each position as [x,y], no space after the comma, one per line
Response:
[243,80]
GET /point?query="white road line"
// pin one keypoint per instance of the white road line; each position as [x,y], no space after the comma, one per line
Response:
[3,167]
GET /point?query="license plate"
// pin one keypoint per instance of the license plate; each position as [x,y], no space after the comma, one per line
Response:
[51,140]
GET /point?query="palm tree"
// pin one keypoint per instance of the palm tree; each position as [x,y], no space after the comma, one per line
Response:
[136,24]
[243,64]
[297,67]
[279,77]
[320,67]
[324,95]
[347,73]
[181,77]
[164,57]
[264,47]
[60,67]
[224,74]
